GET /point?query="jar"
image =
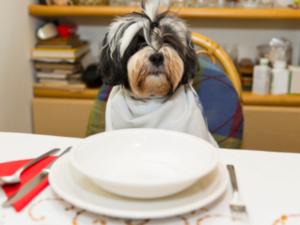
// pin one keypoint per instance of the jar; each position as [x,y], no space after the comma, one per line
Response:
[232,51]
[178,3]
[93,2]
[216,3]
[250,3]
[118,2]
[198,3]
[263,51]
[266,3]
[232,3]
[134,2]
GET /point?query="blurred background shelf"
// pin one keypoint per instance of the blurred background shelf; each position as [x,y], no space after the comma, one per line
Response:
[248,97]
[270,100]
[204,13]
[51,93]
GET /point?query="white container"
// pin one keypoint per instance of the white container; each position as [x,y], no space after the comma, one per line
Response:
[279,83]
[144,163]
[261,78]
[294,80]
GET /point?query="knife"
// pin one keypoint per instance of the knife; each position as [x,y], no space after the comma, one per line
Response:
[32,183]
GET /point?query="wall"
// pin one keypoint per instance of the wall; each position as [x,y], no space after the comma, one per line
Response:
[16,74]
[248,34]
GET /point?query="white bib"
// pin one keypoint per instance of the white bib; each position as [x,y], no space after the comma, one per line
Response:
[177,112]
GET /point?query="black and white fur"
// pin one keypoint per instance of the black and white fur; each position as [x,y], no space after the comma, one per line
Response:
[149,53]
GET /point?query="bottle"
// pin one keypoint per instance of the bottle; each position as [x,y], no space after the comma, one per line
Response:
[280,78]
[261,77]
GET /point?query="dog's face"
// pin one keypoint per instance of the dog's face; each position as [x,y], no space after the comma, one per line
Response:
[149,53]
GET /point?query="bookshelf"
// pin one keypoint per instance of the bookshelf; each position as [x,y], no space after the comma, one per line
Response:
[248,97]
[197,13]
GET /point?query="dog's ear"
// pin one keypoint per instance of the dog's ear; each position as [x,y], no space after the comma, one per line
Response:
[191,65]
[109,65]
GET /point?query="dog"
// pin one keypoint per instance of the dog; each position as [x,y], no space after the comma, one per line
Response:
[149,58]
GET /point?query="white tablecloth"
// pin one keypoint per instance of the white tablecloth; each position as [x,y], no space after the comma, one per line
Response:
[269,184]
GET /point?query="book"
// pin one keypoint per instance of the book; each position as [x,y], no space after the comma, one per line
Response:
[64,71]
[59,71]
[48,53]
[59,40]
[60,81]
[56,60]
[58,75]
[58,66]
[68,46]
[69,87]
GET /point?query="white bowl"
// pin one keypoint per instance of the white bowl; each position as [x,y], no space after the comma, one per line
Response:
[144,163]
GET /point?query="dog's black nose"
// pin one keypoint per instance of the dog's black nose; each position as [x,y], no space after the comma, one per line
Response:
[157,59]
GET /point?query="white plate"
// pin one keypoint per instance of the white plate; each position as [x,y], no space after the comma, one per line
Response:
[144,163]
[77,189]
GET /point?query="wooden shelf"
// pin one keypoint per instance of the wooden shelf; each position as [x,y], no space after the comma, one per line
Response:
[248,97]
[203,13]
[51,93]
[271,100]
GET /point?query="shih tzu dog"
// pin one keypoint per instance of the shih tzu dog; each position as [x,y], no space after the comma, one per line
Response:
[149,58]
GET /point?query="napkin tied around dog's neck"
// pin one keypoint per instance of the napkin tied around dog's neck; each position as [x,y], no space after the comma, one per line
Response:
[178,112]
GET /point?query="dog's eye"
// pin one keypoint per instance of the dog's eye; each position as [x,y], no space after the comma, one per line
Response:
[167,42]
[140,43]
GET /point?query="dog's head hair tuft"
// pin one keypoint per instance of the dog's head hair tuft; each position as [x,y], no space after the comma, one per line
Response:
[155,28]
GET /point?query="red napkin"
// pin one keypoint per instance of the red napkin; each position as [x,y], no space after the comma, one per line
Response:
[10,168]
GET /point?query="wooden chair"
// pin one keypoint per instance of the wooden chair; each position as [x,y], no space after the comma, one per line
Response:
[212,49]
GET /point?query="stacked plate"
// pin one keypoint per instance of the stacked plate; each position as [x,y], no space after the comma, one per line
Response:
[140,174]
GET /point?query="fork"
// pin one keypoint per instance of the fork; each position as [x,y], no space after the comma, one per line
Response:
[15,178]
[237,207]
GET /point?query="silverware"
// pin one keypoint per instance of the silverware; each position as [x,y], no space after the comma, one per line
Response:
[15,178]
[32,183]
[237,207]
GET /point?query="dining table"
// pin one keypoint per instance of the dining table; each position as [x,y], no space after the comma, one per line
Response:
[269,185]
